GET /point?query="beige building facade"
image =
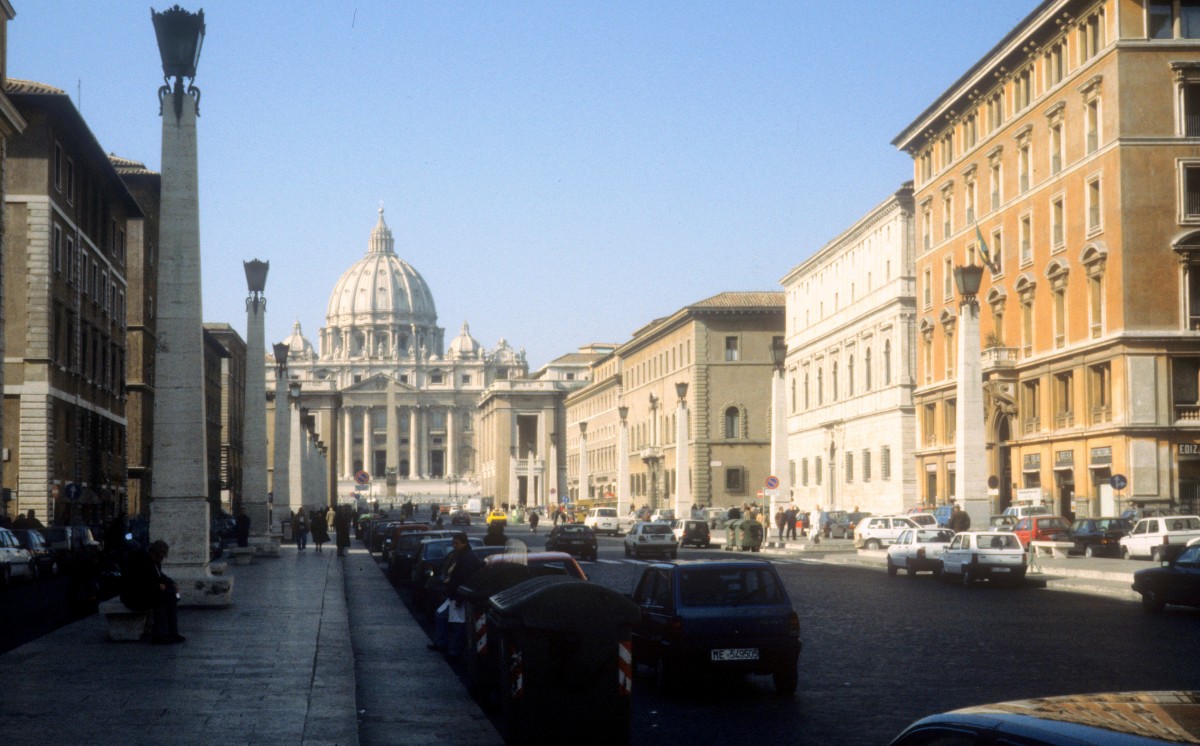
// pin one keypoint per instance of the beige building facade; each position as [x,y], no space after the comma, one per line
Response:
[1069,151]
[851,322]
[720,348]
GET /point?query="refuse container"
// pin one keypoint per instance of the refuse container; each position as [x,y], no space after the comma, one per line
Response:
[285,528]
[479,658]
[743,534]
[564,650]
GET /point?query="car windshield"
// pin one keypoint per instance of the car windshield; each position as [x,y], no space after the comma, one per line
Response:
[436,550]
[723,586]
[1053,523]
[574,530]
[998,541]
[1112,524]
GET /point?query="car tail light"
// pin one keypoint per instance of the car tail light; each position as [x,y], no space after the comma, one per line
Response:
[794,624]
[921,553]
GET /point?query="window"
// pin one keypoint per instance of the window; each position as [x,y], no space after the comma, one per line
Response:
[997,252]
[1064,402]
[866,465]
[1056,147]
[833,382]
[849,466]
[817,471]
[994,183]
[1185,382]
[70,257]
[804,471]
[1091,36]
[969,196]
[806,401]
[731,349]
[1031,420]
[970,133]
[867,370]
[850,376]
[70,185]
[950,418]
[1092,125]
[949,356]
[927,349]
[1060,314]
[1024,166]
[735,480]
[1093,206]
[948,276]
[1189,100]
[733,422]
[947,209]
[1023,89]
[1056,223]
[1160,22]
[995,112]
[1026,226]
[926,166]
[928,423]
[58,167]
[1056,65]
[887,363]
[927,226]
[1100,392]
[56,249]
[947,150]
[885,462]
[1027,324]
[1096,306]
[927,287]
[466,379]
[820,386]
[435,377]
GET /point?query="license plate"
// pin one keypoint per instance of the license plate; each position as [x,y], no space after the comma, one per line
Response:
[735,654]
[999,569]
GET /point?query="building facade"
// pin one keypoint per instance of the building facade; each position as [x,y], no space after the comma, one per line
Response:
[232,413]
[721,348]
[1066,159]
[68,215]
[851,321]
[11,123]
[394,405]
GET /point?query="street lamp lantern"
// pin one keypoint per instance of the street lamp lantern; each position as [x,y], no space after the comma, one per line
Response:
[778,351]
[180,36]
[294,389]
[281,353]
[681,389]
[623,412]
[582,428]
[256,275]
[967,278]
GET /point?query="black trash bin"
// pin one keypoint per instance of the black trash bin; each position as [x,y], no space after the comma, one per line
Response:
[564,650]
[479,660]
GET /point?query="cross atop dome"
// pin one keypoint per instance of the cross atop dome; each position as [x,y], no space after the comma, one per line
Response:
[381,238]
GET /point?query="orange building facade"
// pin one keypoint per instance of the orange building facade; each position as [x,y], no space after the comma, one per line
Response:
[1068,156]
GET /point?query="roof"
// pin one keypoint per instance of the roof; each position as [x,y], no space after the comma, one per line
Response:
[736,299]
[577,358]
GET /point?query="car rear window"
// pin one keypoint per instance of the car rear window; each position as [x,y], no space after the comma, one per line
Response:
[713,586]
[934,537]
[575,530]
[1053,523]
[998,541]
[657,528]
[606,513]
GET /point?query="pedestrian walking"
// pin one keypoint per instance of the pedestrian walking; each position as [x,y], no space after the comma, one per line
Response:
[817,524]
[241,528]
[320,529]
[789,520]
[341,527]
[449,627]
[300,529]
[533,521]
[780,521]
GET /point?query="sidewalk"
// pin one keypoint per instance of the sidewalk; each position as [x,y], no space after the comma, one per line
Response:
[289,662]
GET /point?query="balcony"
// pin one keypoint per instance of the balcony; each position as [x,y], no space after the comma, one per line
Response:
[1189,413]
[998,358]
[1031,425]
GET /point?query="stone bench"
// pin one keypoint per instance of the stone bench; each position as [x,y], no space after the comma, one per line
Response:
[121,623]
[242,555]
[1056,549]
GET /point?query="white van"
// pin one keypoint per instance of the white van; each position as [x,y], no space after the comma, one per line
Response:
[1024,511]
[603,520]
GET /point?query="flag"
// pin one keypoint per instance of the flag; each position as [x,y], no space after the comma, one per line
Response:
[983,248]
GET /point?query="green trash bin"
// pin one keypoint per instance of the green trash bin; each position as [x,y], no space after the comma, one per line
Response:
[564,651]
[744,534]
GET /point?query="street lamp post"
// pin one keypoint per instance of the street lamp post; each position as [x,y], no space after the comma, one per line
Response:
[650,456]
[255,415]
[584,477]
[683,479]
[970,445]
[281,479]
[624,498]
[296,465]
[179,513]
[779,451]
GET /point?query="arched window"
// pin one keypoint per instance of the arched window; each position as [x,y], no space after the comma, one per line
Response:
[732,422]
[887,363]
[850,376]
[820,386]
[833,382]
[806,404]
[793,392]
[867,370]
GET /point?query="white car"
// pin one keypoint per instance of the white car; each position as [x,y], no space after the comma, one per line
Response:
[603,520]
[878,531]
[975,555]
[667,516]
[1024,511]
[15,560]
[651,537]
[925,520]
[919,549]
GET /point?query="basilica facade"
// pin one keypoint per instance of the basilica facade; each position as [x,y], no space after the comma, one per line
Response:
[390,405]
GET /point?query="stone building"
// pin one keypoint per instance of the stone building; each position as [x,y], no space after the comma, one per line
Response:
[11,123]
[721,348]
[68,216]
[851,321]
[232,413]
[141,338]
[1068,151]
[386,395]
[215,357]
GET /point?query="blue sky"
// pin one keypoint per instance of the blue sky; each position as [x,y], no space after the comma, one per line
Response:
[560,173]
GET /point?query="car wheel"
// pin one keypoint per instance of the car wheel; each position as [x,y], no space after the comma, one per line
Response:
[892,569]
[967,578]
[786,680]
[6,576]
[937,571]
[667,675]
[1125,553]
[1089,551]
[33,572]
[1152,602]
[707,544]
[628,551]
[1155,554]
[874,544]
[910,570]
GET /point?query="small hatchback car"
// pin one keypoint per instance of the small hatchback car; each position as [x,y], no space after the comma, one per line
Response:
[692,531]
[648,537]
[574,539]
[724,617]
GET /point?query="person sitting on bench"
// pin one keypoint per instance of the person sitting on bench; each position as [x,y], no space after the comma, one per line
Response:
[147,588]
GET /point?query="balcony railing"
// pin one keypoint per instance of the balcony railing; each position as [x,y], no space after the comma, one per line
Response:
[1031,425]
[998,357]
[1187,412]
[1101,414]
[1064,419]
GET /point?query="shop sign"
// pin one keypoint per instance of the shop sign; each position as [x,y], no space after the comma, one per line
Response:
[1189,450]
[1102,455]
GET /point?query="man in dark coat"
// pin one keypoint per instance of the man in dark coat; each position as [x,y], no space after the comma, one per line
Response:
[341,526]
[449,635]
[241,528]
[145,587]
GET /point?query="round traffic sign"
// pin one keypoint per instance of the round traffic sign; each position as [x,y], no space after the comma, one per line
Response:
[1118,481]
[74,491]
[772,482]
[362,477]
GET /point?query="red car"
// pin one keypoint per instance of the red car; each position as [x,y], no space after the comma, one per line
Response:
[1042,528]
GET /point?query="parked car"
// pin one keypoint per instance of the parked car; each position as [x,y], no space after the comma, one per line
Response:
[69,542]
[394,530]
[546,563]
[1042,528]
[33,542]
[1021,511]
[877,532]
[1133,515]
[919,550]
[1002,522]
[427,563]
[692,531]
[1073,719]
[723,617]
[979,555]
[1176,581]
[378,533]
[925,520]
[853,518]
[573,538]
[837,525]
[460,518]
[650,537]
[15,560]
[716,517]
[603,520]
[665,516]
[400,559]
[1099,537]
[1160,538]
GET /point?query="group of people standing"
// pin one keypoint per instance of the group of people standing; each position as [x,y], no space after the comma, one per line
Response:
[317,522]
